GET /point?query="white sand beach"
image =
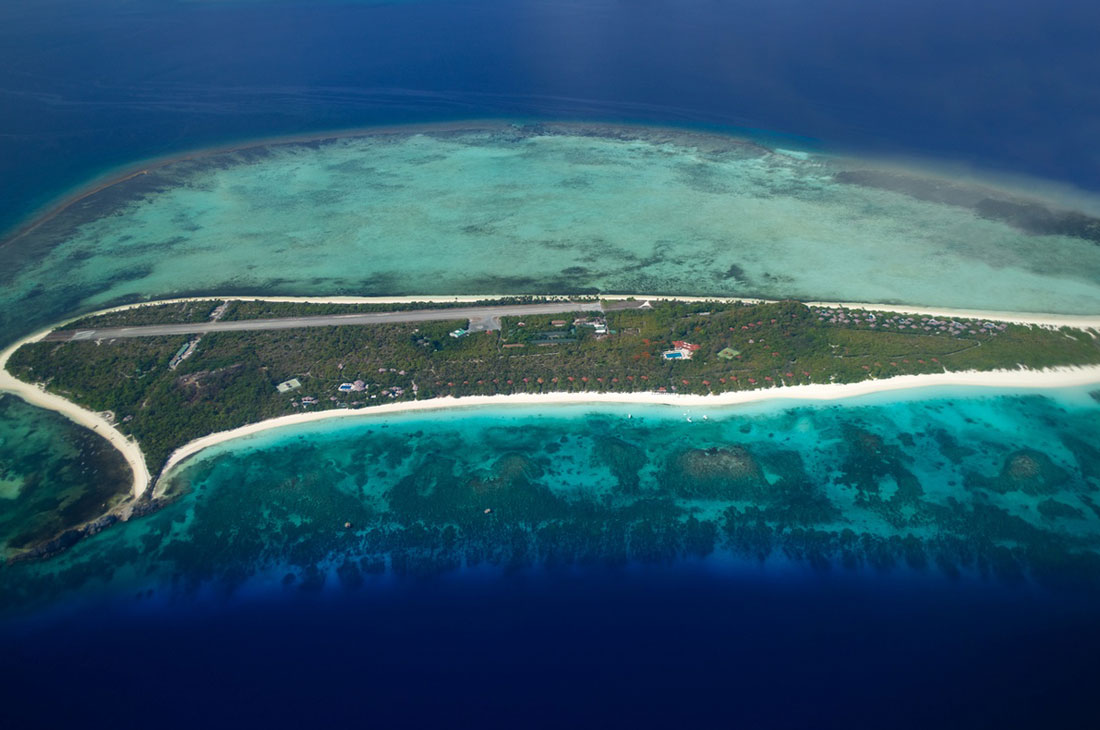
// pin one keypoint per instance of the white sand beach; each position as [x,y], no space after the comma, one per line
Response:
[1021,378]
[35,395]
[1018,378]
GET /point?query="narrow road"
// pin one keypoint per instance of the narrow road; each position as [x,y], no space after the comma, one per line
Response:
[487,317]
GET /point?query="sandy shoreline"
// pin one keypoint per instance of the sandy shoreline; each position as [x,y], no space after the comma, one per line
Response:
[82,416]
[1050,378]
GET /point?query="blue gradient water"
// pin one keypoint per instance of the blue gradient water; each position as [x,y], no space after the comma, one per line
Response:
[186,617]
[619,577]
[662,647]
[87,87]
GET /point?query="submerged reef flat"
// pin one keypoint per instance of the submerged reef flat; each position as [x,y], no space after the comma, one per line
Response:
[1030,216]
[999,488]
[509,209]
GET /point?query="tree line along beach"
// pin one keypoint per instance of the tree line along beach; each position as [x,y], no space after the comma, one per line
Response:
[179,394]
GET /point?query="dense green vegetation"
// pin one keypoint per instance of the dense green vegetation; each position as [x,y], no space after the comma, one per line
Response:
[177,312]
[230,379]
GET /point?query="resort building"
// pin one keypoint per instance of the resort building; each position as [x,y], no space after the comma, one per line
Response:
[681,351]
[183,353]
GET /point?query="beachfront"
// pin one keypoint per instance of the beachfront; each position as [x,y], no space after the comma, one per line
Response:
[37,396]
[1043,379]
[1016,378]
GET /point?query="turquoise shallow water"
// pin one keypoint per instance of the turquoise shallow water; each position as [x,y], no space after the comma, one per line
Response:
[519,210]
[995,486]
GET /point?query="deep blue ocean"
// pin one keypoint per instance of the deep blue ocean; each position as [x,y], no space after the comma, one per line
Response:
[676,647]
[88,87]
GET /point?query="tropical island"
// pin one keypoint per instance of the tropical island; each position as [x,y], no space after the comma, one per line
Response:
[213,369]
[169,379]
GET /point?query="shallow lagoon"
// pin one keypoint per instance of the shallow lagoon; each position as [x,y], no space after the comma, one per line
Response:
[511,210]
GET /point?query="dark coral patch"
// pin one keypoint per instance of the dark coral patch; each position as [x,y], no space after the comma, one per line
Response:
[729,473]
[1025,470]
